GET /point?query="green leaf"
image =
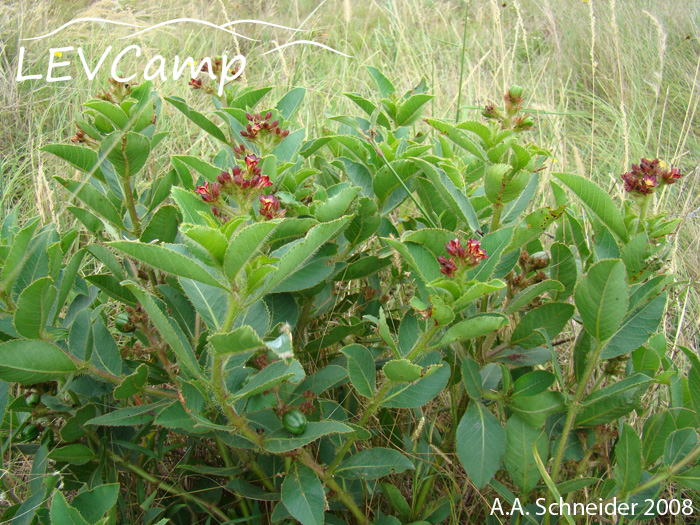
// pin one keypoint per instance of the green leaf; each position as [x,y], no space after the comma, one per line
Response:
[113,112]
[500,187]
[244,245]
[519,459]
[199,119]
[689,479]
[132,384]
[601,298]
[562,268]
[456,200]
[535,410]
[125,154]
[597,201]
[476,326]
[611,402]
[79,157]
[679,444]
[75,454]
[130,416]
[402,371]
[163,225]
[30,361]
[271,375]
[636,327]
[303,495]
[551,317]
[361,369]
[525,296]
[33,308]
[242,339]
[628,453]
[168,329]
[385,87]
[18,255]
[373,463]
[302,251]
[336,205]
[458,137]
[411,110]
[656,430]
[210,302]
[471,377]
[93,199]
[93,504]
[421,392]
[289,104]
[105,355]
[208,171]
[62,513]
[168,260]
[280,441]
[533,383]
[481,443]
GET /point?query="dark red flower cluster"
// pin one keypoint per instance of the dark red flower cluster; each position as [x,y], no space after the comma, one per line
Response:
[647,175]
[258,123]
[209,192]
[469,256]
[270,207]
[250,178]
[196,83]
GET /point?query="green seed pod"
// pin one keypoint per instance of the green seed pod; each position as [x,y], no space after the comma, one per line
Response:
[30,433]
[121,322]
[295,422]
[528,122]
[516,91]
[32,399]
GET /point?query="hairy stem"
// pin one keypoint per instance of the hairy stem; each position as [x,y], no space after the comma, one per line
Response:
[327,478]
[379,397]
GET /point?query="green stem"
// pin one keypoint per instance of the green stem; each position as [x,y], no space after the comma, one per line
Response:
[573,410]
[660,478]
[496,219]
[87,367]
[379,397]
[327,478]
[643,208]
[135,223]
[231,313]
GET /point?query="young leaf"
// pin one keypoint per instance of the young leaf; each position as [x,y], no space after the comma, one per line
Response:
[303,495]
[476,326]
[385,87]
[402,371]
[481,443]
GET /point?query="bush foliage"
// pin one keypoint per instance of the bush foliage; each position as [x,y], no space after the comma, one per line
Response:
[358,327]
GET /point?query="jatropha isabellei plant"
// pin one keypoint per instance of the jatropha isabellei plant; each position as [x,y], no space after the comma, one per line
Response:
[247,306]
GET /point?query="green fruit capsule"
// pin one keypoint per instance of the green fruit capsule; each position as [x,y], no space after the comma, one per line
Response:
[30,432]
[121,322]
[32,399]
[516,91]
[295,422]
